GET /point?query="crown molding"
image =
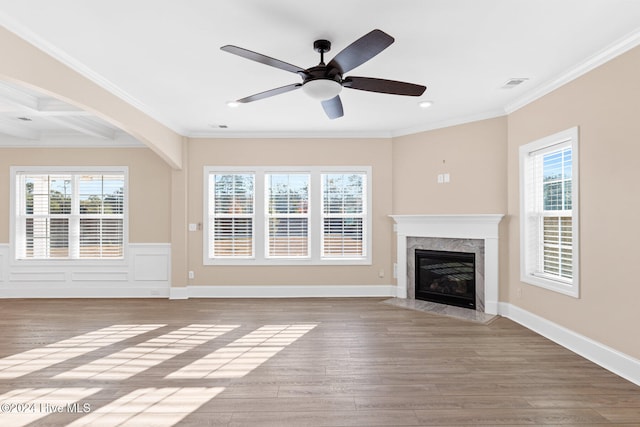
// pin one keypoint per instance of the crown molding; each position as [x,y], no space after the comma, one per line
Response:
[615,49]
[285,135]
[491,114]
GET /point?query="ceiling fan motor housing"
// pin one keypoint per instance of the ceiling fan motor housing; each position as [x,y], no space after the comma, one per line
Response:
[322,46]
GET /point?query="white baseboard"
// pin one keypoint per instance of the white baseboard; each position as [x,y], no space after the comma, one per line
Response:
[179,292]
[294,291]
[84,292]
[613,360]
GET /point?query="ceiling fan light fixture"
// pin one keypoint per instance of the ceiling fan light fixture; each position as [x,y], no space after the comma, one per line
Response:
[322,89]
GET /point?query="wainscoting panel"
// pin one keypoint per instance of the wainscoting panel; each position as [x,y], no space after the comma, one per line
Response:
[48,275]
[150,263]
[99,276]
[145,272]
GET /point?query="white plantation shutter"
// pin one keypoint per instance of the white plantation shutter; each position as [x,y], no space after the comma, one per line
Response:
[231,215]
[101,216]
[549,241]
[343,215]
[287,215]
[557,249]
[70,215]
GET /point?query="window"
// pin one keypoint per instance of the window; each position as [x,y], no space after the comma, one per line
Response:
[231,215]
[287,215]
[66,214]
[549,212]
[343,214]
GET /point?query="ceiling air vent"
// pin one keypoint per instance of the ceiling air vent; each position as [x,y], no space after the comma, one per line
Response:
[511,83]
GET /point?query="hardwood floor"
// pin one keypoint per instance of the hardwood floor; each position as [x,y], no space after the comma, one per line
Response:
[289,362]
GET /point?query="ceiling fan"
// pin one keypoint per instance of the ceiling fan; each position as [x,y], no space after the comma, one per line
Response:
[325,81]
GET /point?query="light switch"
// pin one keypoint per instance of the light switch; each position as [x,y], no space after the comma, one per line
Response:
[193,227]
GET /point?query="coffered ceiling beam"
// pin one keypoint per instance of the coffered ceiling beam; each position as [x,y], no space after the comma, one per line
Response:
[55,107]
[83,125]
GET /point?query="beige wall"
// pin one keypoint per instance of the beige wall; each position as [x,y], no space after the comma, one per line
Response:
[604,104]
[292,152]
[149,184]
[473,154]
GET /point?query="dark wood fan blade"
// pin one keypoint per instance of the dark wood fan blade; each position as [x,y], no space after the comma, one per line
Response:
[383,86]
[269,93]
[333,107]
[263,59]
[360,51]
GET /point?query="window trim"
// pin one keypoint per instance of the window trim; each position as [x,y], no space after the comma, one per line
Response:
[569,137]
[315,218]
[55,170]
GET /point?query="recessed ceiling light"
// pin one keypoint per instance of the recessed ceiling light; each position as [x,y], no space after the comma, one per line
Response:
[425,104]
[232,104]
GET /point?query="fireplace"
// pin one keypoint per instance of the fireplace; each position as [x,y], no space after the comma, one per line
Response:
[446,277]
[456,233]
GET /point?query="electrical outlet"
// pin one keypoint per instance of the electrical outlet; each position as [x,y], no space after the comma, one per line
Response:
[192,275]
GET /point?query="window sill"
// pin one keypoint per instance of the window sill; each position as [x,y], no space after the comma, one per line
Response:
[563,287]
[285,262]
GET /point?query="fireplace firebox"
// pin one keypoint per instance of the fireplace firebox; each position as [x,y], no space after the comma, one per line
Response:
[446,277]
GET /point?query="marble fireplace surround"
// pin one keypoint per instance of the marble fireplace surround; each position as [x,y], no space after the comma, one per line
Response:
[450,232]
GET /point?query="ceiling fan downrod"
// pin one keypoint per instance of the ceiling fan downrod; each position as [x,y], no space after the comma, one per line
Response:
[322,46]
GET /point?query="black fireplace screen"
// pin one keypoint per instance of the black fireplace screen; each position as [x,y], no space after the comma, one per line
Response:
[446,277]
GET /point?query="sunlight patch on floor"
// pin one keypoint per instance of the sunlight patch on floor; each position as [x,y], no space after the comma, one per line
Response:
[245,354]
[158,407]
[27,405]
[29,361]
[133,360]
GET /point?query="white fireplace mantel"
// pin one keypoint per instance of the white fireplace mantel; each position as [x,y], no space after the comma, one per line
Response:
[483,226]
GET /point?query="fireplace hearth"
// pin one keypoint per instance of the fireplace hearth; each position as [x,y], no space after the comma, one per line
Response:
[445,277]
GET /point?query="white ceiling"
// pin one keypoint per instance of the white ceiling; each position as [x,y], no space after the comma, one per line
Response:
[164,57]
